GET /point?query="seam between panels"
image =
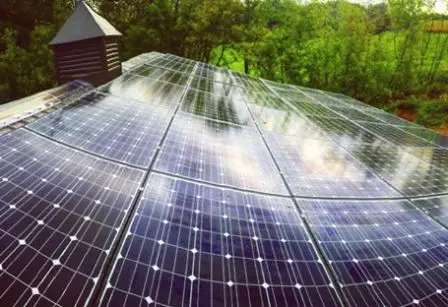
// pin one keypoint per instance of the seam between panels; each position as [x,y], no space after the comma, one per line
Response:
[404,197]
[233,188]
[216,185]
[256,245]
[99,290]
[314,242]
[81,150]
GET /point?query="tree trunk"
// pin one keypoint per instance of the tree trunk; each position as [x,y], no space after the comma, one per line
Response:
[246,66]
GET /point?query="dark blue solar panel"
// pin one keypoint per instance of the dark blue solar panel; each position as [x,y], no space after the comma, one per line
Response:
[204,246]
[123,130]
[216,224]
[60,213]
[384,253]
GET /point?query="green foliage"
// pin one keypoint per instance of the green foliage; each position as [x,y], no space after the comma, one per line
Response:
[377,53]
[429,112]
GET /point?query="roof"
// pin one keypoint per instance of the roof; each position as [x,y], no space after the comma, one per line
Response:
[21,109]
[84,24]
[183,182]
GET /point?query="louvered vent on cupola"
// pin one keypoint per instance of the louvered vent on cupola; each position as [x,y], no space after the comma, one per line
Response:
[86,48]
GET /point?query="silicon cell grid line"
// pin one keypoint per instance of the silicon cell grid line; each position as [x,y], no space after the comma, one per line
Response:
[214,74]
[119,129]
[394,135]
[220,153]
[384,253]
[153,92]
[344,132]
[229,107]
[436,207]
[411,175]
[318,168]
[174,63]
[60,213]
[196,245]
[428,135]
[273,115]
[162,74]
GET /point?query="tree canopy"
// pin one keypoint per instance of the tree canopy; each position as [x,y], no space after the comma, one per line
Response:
[377,53]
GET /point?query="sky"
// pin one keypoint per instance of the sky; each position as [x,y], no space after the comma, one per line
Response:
[439,8]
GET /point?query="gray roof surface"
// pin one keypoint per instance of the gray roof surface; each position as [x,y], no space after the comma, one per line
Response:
[83,24]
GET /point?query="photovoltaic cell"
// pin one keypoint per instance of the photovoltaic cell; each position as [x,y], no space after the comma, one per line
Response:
[255,194]
[214,74]
[350,101]
[151,91]
[436,207]
[249,83]
[161,74]
[389,118]
[204,246]
[411,175]
[220,153]
[207,85]
[273,115]
[318,168]
[228,107]
[173,63]
[123,130]
[428,135]
[357,115]
[321,97]
[60,212]
[343,131]
[384,253]
[395,135]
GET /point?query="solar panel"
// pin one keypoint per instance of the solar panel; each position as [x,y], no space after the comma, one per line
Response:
[436,207]
[214,246]
[60,213]
[318,168]
[395,135]
[110,126]
[384,253]
[184,184]
[220,153]
[428,135]
[226,107]
[405,171]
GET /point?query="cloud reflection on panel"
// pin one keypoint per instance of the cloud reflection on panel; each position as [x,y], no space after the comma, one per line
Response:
[224,104]
[316,167]
[220,153]
[154,92]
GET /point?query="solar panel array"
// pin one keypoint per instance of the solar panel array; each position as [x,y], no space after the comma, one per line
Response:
[184,184]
